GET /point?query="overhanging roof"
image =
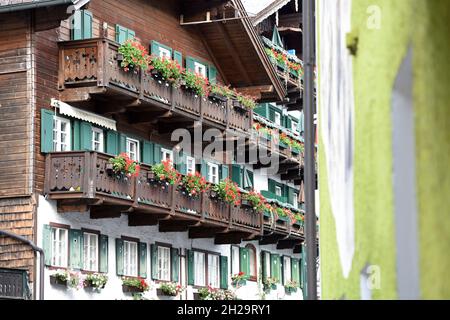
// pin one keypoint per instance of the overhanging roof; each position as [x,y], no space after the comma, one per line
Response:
[17,5]
[240,55]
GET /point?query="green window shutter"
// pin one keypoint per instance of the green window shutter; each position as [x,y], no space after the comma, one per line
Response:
[224,172]
[87,24]
[178,57]
[154,46]
[264,271]
[111,142]
[262,110]
[147,152]
[130,34]
[76,134]
[119,257]
[190,64]
[77,24]
[175,263]
[275,267]
[85,136]
[76,248]
[154,260]
[248,179]
[122,143]
[236,174]
[223,272]
[157,154]
[291,192]
[271,114]
[212,74]
[272,184]
[190,267]
[47,244]
[204,169]
[121,34]
[180,160]
[142,260]
[103,253]
[295,274]
[244,261]
[46,130]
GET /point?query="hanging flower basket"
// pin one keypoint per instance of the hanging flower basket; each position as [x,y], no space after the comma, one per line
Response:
[54,279]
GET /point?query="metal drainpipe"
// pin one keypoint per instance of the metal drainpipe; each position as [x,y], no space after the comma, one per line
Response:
[308,58]
[36,249]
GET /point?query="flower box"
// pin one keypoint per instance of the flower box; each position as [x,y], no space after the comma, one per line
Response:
[239,107]
[119,57]
[151,176]
[289,290]
[282,145]
[109,169]
[160,292]
[295,151]
[57,281]
[239,283]
[246,204]
[213,194]
[131,289]
[215,97]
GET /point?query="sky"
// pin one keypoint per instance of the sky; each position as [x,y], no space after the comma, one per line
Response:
[254,6]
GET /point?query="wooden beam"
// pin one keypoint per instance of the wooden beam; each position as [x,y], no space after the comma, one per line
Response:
[271,239]
[292,175]
[107,211]
[233,51]
[287,244]
[173,225]
[230,237]
[204,232]
[144,219]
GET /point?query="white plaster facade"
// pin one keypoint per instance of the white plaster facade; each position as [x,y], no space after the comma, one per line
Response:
[115,228]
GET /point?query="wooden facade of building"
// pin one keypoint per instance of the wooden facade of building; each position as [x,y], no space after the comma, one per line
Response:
[43,59]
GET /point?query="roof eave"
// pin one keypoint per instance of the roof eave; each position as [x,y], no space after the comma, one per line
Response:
[40,4]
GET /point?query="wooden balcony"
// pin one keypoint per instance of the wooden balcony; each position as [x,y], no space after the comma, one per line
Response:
[80,182]
[90,71]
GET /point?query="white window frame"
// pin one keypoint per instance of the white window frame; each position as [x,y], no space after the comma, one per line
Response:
[213,270]
[164,263]
[200,66]
[164,53]
[101,142]
[235,256]
[277,119]
[190,165]
[60,248]
[130,258]
[213,178]
[90,260]
[199,268]
[165,153]
[294,126]
[134,155]
[295,199]
[280,193]
[58,142]
[287,272]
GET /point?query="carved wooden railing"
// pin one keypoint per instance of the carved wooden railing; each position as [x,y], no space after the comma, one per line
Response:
[95,63]
[84,176]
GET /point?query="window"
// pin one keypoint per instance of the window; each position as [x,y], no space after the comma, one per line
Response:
[163,263]
[213,173]
[277,118]
[133,149]
[190,165]
[287,269]
[81,25]
[199,267]
[267,263]
[213,271]
[167,154]
[130,258]
[164,53]
[252,258]
[61,134]
[234,260]
[295,197]
[294,126]
[200,68]
[90,261]
[97,140]
[278,191]
[59,247]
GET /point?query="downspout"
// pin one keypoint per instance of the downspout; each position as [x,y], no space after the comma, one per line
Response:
[36,249]
[310,181]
